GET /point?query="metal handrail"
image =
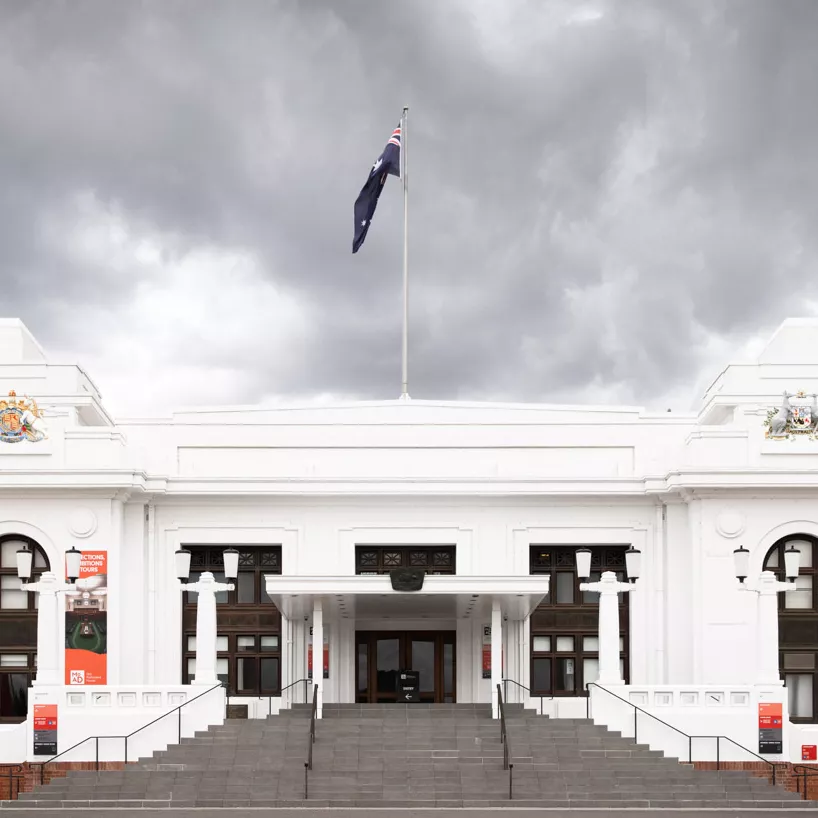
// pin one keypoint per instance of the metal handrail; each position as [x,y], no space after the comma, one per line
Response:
[530,696]
[14,772]
[96,739]
[802,771]
[690,738]
[310,741]
[508,764]
[281,693]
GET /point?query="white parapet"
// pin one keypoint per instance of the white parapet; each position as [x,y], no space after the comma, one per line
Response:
[104,722]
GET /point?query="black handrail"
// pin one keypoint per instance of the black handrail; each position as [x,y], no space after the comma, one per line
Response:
[281,693]
[801,771]
[311,740]
[530,696]
[637,710]
[508,764]
[14,773]
[96,739]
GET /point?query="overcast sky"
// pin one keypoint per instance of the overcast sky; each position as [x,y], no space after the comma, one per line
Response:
[609,200]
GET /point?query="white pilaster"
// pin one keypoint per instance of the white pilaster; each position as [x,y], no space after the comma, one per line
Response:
[206,626]
[768,588]
[610,672]
[318,652]
[48,642]
[496,653]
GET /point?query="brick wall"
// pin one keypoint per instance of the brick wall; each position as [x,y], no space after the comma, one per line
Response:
[16,778]
[785,775]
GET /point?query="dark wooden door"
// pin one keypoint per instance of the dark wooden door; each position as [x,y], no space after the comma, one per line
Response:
[381,655]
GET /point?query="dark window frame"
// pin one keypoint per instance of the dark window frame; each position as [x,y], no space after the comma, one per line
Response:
[795,623]
[20,620]
[372,560]
[560,560]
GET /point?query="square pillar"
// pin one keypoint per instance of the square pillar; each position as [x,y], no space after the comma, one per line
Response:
[318,652]
[496,654]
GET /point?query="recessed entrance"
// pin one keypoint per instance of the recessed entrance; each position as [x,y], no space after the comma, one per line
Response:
[381,655]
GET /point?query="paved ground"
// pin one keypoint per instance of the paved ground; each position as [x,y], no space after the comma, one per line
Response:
[265,812]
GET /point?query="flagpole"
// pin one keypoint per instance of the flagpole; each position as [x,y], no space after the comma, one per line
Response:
[404,155]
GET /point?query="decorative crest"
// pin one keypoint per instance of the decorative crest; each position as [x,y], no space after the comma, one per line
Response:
[21,419]
[793,419]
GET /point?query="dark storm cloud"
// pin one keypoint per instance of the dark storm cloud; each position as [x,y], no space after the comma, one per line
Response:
[593,196]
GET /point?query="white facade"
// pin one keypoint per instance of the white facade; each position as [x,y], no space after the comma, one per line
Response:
[490,480]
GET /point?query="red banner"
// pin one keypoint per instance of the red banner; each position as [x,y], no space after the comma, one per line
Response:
[86,623]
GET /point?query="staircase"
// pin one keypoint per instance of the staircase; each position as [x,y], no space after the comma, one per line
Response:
[446,755]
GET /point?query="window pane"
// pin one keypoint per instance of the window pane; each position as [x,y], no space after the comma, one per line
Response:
[8,553]
[565,644]
[246,589]
[805,549]
[191,667]
[265,597]
[802,596]
[221,644]
[247,673]
[542,644]
[13,660]
[39,559]
[799,661]
[269,643]
[269,673]
[221,596]
[12,596]
[621,644]
[590,671]
[223,670]
[772,559]
[565,682]
[541,676]
[246,643]
[799,687]
[191,643]
[14,695]
[565,588]
[363,667]
[592,597]
[590,644]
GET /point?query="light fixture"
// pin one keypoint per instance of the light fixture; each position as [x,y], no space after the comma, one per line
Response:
[583,556]
[231,563]
[25,558]
[633,563]
[741,563]
[792,559]
[183,564]
[72,564]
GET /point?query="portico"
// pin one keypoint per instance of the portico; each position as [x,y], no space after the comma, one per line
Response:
[487,616]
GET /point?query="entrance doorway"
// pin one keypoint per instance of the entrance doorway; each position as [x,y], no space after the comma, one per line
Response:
[381,655]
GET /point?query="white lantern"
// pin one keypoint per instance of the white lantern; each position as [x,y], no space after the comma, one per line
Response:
[183,564]
[25,558]
[583,556]
[633,563]
[741,563]
[231,563]
[792,559]
[72,564]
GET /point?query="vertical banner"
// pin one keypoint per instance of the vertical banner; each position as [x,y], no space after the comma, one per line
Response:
[326,654]
[86,623]
[486,651]
[45,729]
[770,728]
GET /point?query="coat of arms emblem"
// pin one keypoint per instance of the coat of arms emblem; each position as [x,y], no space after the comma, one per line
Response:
[797,415]
[20,419]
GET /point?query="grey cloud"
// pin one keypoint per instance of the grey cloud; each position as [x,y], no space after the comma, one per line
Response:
[541,261]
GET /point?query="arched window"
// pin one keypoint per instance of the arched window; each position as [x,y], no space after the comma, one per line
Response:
[18,628]
[798,627]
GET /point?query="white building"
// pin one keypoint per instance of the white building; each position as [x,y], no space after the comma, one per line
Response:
[488,499]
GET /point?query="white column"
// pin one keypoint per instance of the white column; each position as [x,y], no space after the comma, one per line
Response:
[496,654]
[318,653]
[768,587]
[48,642]
[206,626]
[609,588]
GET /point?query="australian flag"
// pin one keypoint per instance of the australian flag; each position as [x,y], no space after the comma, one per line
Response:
[388,163]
